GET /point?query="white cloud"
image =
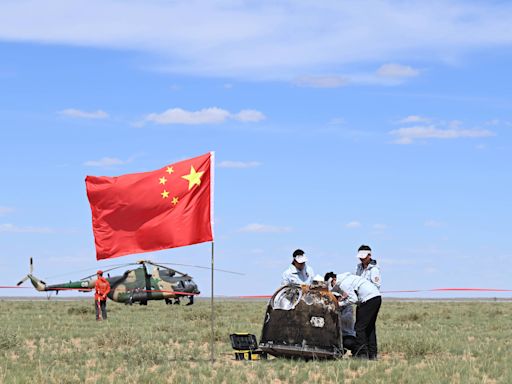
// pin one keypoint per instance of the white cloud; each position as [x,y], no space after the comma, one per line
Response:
[321,81]
[79,114]
[212,115]
[454,124]
[264,39]
[388,76]
[105,162]
[11,228]
[249,116]
[397,71]
[492,122]
[181,116]
[410,134]
[353,224]
[263,228]
[5,210]
[414,119]
[433,224]
[238,164]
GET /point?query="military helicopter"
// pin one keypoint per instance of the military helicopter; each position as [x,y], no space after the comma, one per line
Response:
[149,281]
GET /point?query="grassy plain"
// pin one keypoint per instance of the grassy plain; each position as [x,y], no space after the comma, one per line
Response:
[419,342]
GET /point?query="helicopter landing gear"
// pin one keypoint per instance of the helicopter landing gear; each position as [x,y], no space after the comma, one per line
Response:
[190,300]
[129,301]
[169,301]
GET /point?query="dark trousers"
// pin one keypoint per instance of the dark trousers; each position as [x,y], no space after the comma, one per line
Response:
[366,335]
[101,306]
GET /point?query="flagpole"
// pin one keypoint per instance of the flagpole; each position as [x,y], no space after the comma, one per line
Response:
[212,170]
[213,313]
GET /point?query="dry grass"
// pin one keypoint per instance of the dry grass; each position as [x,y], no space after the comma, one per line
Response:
[60,342]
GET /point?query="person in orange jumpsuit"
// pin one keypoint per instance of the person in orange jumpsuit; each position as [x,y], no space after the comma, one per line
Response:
[102,287]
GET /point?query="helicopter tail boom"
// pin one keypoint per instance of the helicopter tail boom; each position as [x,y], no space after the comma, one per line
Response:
[38,284]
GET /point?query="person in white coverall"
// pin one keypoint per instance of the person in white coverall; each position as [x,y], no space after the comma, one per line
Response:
[298,272]
[367,267]
[355,289]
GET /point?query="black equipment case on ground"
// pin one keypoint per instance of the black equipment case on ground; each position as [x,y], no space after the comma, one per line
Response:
[246,347]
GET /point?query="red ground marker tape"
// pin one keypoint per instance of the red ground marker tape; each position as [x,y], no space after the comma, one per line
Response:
[13,286]
[90,289]
[269,296]
[408,291]
[473,289]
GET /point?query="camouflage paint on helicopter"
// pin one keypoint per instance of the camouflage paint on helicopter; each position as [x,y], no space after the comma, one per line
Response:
[135,285]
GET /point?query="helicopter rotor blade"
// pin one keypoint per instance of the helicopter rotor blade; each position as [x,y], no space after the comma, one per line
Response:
[163,266]
[84,270]
[31,269]
[22,281]
[109,269]
[202,267]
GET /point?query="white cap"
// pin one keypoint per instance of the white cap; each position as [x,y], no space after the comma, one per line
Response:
[300,258]
[363,254]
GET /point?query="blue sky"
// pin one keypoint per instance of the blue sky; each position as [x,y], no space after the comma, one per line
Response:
[334,124]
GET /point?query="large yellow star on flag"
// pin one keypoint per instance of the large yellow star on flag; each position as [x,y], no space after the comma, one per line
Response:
[194,178]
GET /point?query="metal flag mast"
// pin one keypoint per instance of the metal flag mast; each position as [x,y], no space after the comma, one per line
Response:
[212,188]
[213,312]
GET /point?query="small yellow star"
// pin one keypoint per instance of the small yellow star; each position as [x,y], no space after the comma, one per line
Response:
[165,194]
[169,170]
[194,178]
[174,200]
[163,180]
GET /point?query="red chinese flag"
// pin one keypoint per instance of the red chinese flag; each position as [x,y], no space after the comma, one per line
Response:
[149,211]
